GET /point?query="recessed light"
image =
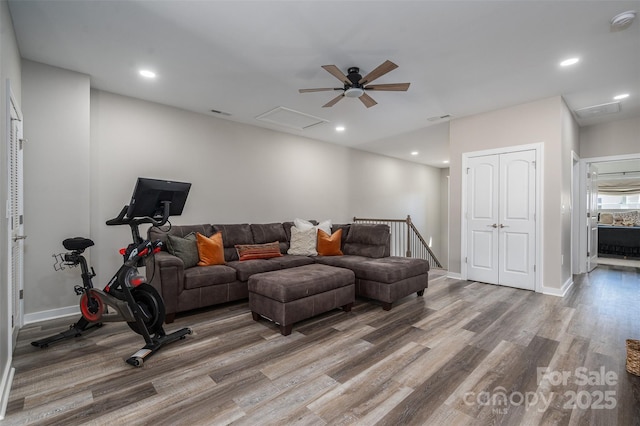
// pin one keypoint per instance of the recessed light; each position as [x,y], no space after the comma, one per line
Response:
[621,96]
[570,61]
[414,153]
[445,162]
[340,129]
[147,74]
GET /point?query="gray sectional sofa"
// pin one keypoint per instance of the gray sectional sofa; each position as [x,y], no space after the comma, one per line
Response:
[378,276]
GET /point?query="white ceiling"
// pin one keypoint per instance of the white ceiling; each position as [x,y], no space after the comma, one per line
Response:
[246,58]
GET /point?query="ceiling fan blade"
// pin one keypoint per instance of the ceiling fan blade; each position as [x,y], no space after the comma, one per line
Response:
[367,100]
[335,71]
[395,87]
[381,70]
[333,101]
[324,89]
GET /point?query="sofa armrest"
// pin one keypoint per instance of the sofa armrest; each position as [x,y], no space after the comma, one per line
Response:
[165,272]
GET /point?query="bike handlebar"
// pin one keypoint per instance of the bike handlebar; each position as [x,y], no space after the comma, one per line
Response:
[121,220]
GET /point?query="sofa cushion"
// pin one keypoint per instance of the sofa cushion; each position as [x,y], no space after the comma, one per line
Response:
[345,232]
[291,261]
[208,275]
[269,232]
[185,248]
[161,232]
[329,245]
[244,269]
[386,270]
[369,240]
[303,242]
[232,235]
[210,249]
[258,251]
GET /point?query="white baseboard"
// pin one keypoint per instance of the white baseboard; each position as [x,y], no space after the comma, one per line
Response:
[454,275]
[51,314]
[560,292]
[5,387]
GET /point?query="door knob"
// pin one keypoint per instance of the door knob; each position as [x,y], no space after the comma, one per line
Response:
[19,237]
[504,226]
[493,226]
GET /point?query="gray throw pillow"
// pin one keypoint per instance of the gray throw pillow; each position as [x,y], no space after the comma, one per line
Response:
[185,248]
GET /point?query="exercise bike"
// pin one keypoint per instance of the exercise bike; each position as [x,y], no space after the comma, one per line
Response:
[127,293]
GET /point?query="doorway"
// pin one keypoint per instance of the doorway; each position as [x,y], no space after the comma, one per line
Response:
[609,168]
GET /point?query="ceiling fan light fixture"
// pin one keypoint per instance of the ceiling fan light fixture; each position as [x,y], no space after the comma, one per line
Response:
[354,92]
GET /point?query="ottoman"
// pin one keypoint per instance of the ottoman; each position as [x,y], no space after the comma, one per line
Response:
[291,295]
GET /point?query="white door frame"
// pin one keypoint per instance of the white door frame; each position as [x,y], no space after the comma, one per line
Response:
[591,195]
[582,226]
[575,214]
[539,152]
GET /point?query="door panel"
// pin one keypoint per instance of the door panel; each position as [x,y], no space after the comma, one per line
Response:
[482,218]
[517,214]
[482,243]
[515,252]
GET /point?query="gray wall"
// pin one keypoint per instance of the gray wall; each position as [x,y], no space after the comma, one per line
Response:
[240,173]
[607,139]
[56,179]
[9,71]
[380,187]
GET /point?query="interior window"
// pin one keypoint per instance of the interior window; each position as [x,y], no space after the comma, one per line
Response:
[618,202]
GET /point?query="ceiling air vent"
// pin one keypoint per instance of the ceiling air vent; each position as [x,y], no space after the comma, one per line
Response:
[289,118]
[215,111]
[438,118]
[597,110]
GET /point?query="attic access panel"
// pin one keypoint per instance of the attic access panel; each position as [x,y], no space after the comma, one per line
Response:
[597,110]
[286,117]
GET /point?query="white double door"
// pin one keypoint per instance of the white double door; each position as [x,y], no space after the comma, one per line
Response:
[501,197]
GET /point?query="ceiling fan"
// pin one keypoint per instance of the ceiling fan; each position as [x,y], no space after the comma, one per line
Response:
[355,85]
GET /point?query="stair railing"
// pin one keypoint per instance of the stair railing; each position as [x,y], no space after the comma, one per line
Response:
[406,240]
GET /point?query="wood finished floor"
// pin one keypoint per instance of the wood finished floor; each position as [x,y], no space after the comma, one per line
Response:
[443,359]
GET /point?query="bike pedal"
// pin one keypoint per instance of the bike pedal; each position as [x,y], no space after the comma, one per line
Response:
[78,290]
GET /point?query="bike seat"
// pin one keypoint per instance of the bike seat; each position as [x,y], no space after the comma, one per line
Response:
[77,243]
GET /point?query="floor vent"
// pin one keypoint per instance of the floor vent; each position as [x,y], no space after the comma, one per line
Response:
[289,118]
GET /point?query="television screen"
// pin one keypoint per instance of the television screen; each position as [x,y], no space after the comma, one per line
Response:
[149,194]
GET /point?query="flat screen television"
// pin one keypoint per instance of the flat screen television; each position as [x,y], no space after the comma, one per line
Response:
[149,194]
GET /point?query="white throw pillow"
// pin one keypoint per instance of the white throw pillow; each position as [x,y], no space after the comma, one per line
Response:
[325,225]
[302,224]
[303,241]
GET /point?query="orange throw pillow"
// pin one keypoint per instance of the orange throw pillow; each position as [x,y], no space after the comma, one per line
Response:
[329,245]
[210,250]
